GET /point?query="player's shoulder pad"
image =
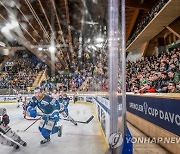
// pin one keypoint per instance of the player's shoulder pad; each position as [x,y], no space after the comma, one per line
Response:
[67,99]
[48,98]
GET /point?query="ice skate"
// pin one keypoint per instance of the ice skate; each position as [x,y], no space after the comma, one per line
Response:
[15,145]
[60,131]
[45,141]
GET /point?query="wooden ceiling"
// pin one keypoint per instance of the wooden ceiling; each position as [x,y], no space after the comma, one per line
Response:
[160,23]
[63,23]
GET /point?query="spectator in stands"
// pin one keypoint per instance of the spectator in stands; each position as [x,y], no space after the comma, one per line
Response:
[178,86]
[136,89]
[20,74]
[163,83]
[147,88]
[173,68]
[154,69]
[172,88]
[176,60]
[155,81]
[174,76]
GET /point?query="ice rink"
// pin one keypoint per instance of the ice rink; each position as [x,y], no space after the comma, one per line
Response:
[80,139]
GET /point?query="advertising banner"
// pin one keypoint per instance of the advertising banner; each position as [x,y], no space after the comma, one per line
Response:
[162,112]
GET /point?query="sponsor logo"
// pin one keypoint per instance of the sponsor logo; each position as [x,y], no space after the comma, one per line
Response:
[145,107]
[44,103]
[157,113]
[115,140]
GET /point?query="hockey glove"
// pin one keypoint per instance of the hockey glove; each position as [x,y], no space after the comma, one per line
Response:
[5,119]
[45,117]
[32,112]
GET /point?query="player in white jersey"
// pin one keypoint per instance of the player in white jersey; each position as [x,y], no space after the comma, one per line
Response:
[19,100]
[6,132]
[55,94]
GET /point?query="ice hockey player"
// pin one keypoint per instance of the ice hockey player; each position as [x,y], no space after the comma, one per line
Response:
[60,96]
[6,132]
[55,94]
[65,101]
[19,99]
[49,108]
[75,98]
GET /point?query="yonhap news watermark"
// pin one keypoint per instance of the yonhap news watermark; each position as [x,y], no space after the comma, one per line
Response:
[155,140]
[116,140]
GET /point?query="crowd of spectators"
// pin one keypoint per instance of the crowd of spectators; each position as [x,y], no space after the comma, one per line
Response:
[19,74]
[156,74]
[65,82]
[96,71]
[90,69]
[99,79]
[159,74]
[151,14]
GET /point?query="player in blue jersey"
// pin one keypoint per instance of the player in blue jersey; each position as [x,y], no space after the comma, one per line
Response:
[65,101]
[49,108]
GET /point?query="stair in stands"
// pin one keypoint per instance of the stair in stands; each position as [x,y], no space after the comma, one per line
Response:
[40,77]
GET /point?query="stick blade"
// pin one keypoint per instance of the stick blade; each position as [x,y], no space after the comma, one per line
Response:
[83,122]
[91,118]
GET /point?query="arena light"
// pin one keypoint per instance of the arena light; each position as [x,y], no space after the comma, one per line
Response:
[7,33]
[87,12]
[92,47]
[14,24]
[52,49]
[9,26]
[40,48]
[99,39]
[88,40]
[4,30]
[2,44]
[95,1]
[100,45]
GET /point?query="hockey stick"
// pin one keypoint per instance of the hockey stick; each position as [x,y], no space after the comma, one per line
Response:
[28,126]
[84,122]
[38,114]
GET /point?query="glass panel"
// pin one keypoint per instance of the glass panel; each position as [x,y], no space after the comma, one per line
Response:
[72,47]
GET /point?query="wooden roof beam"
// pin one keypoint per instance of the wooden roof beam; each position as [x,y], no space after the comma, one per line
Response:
[45,15]
[50,26]
[37,18]
[59,23]
[69,30]
[28,21]
[23,27]
[172,31]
